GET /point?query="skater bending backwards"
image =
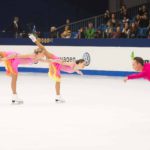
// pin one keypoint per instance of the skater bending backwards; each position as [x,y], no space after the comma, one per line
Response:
[56,65]
[12,60]
[139,66]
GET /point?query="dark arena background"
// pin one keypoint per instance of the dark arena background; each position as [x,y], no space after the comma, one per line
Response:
[75,75]
[46,13]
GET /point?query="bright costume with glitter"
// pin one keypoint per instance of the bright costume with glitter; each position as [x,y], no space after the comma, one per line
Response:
[56,68]
[11,65]
[144,74]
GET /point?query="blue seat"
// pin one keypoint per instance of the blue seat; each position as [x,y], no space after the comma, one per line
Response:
[142,32]
[102,27]
[74,35]
[46,34]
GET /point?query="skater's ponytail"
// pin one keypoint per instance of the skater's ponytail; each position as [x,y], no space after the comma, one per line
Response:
[38,51]
[1,55]
[80,61]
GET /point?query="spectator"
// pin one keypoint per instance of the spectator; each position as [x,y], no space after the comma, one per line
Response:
[148,35]
[67,22]
[125,31]
[90,32]
[108,30]
[117,34]
[15,27]
[67,29]
[53,32]
[81,33]
[67,33]
[106,16]
[123,9]
[140,11]
[144,21]
[113,20]
[133,31]
[148,26]
[143,10]
[137,20]
[125,20]
[123,12]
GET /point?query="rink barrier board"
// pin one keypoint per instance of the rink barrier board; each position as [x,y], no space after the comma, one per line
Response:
[86,72]
[82,42]
[120,48]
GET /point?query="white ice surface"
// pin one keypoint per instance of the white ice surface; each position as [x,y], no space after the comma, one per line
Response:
[101,113]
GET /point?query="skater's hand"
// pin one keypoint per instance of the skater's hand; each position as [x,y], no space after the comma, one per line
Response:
[36,61]
[125,79]
[79,72]
[32,37]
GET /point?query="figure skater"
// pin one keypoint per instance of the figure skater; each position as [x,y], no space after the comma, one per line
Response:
[139,66]
[12,60]
[56,65]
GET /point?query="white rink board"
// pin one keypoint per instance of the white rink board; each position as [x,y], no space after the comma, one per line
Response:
[102,58]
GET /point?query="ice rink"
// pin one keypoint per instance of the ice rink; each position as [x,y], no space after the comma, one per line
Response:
[101,113]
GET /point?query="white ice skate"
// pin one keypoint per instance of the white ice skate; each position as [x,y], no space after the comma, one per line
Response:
[16,100]
[59,99]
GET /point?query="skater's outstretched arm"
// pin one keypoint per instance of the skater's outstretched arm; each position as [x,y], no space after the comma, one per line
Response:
[135,76]
[50,61]
[59,62]
[8,57]
[13,56]
[79,72]
[25,56]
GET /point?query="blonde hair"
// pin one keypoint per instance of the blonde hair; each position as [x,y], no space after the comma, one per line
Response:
[1,54]
[37,51]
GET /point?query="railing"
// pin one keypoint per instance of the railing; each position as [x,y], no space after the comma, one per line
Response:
[97,20]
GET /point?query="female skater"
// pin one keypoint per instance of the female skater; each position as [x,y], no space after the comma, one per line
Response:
[56,65]
[144,69]
[12,60]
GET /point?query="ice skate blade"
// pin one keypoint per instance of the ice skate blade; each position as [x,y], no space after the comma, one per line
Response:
[17,102]
[59,101]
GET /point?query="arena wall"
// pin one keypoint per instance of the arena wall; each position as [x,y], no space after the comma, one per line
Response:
[103,57]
